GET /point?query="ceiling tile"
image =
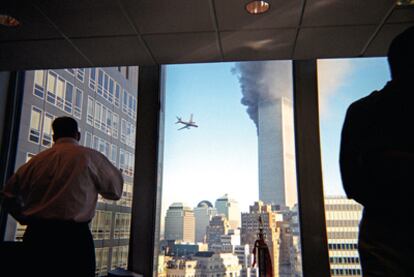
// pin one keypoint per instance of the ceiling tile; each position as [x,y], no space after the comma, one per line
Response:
[258,45]
[349,12]
[164,16]
[379,46]
[114,51]
[402,15]
[232,15]
[184,48]
[19,55]
[33,24]
[332,42]
[87,18]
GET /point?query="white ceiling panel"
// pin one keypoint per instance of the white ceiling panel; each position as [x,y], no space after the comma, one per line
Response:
[232,15]
[345,12]
[39,54]
[184,48]
[87,18]
[258,44]
[164,16]
[114,51]
[332,42]
[379,46]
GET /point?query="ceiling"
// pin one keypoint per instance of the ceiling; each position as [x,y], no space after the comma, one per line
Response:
[83,33]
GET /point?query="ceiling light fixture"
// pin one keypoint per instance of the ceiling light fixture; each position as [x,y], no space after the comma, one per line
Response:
[9,21]
[405,2]
[257,7]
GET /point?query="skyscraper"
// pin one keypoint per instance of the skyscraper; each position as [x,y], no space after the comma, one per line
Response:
[342,221]
[277,169]
[230,209]
[203,214]
[180,223]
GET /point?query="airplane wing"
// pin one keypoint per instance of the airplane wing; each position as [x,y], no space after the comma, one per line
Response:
[184,127]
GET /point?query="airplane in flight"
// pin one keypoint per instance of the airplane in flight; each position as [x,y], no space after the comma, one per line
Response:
[187,124]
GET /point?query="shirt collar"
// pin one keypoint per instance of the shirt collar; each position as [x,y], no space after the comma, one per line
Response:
[66,140]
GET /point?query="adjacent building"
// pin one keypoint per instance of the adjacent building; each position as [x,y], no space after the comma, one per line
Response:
[277,168]
[104,103]
[342,220]
[217,227]
[203,214]
[230,209]
[180,223]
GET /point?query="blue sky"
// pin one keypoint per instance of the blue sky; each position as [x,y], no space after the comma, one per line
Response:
[221,155]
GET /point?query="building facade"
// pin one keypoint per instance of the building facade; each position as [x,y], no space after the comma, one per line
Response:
[342,225]
[180,223]
[277,166]
[104,103]
[217,227]
[203,214]
[230,209]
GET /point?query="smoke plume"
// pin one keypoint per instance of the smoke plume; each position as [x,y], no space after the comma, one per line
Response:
[263,81]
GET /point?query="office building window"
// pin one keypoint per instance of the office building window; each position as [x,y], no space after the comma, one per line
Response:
[80,74]
[114,154]
[39,89]
[111,90]
[92,79]
[60,86]
[90,112]
[51,83]
[126,162]
[125,102]
[77,110]
[47,130]
[115,124]
[98,107]
[88,139]
[35,121]
[71,71]
[117,94]
[122,225]
[100,82]
[68,98]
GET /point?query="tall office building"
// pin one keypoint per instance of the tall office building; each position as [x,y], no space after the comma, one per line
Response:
[104,103]
[230,209]
[217,227]
[180,223]
[277,169]
[203,214]
[342,220]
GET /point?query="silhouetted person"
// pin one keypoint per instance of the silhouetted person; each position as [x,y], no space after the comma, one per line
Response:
[377,166]
[55,194]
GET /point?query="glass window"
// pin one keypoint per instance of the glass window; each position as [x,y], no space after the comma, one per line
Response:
[114,152]
[38,84]
[100,81]
[341,82]
[92,79]
[115,119]
[98,107]
[80,74]
[77,111]
[68,97]
[88,139]
[71,71]
[60,86]
[35,121]
[51,82]
[111,90]
[47,130]
[117,94]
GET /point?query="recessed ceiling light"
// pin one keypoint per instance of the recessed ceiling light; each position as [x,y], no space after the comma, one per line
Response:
[9,21]
[257,7]
[405,2]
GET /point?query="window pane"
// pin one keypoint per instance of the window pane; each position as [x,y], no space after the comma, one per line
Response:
[229,158]
[340,83]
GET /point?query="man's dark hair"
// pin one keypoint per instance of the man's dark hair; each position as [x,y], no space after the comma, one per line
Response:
[64,127]
[401,54]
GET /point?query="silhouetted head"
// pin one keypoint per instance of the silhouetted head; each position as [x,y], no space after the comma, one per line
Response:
[401,55]
[65,127]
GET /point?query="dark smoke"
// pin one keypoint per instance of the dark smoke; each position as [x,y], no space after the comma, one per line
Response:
[263,81]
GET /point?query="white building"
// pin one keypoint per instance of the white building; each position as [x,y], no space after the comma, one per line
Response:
[203,214]
[230,209]
[342,221]
[276,141]
[217,264]
[180,223]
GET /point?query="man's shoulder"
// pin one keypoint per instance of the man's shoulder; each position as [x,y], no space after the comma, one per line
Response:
[365,102]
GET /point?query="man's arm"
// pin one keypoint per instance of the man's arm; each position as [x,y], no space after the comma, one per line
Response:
[110,181]
[12,202]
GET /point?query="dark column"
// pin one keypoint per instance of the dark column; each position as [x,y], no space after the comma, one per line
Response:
[315,258]
[11,84]
[147,182]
